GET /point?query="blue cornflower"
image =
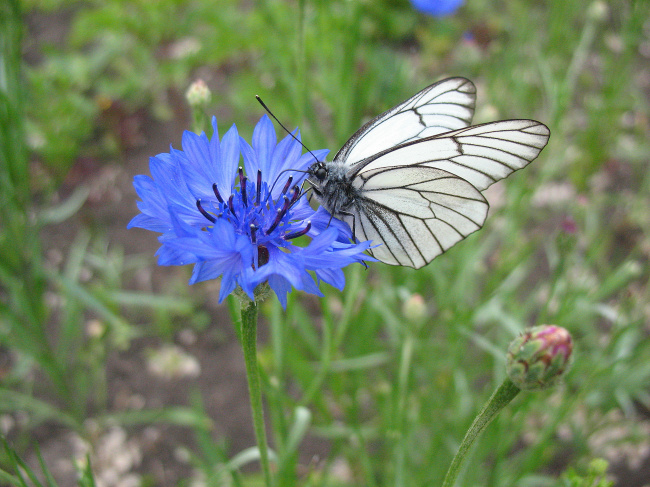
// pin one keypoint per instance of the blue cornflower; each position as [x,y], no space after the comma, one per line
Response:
[437,8]
[239,224]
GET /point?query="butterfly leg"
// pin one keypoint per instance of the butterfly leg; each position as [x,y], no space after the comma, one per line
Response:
[354,238]
[345,213]
[354,225]
[313,189]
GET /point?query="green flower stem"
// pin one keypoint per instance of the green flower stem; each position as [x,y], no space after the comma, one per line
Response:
[249,344]
[400,413]
[500,399]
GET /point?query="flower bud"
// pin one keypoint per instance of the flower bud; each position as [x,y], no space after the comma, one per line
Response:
[538,357]
[198,94]
[598,11]
[414,308]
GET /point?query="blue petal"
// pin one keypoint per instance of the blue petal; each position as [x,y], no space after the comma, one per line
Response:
[229,162]
[152,202]
[332,276]
[214,141]
[322,219]
[248,281]
[281,287]
[229,283]
[199,168]
[149,223]
[204,271]
[264,140]
[250,157]
[323,241]
[301,163]
[280,264]
[169,255]
[284,157]
[170,181]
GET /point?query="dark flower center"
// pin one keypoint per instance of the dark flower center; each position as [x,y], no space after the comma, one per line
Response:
[262,256]
[255,213]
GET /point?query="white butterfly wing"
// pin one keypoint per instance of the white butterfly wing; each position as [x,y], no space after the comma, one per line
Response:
[418,170]
[442,107]
[415,213]
[481,155]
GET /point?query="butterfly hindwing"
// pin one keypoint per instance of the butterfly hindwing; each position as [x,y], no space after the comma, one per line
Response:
[439,108]
[413,214]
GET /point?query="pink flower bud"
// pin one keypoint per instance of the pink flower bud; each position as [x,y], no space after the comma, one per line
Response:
[538,357]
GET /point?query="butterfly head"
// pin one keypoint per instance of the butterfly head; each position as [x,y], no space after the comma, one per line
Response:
[319,171]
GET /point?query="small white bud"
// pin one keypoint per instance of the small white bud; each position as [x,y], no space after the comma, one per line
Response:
[414,308]
[598,11]
[198,93]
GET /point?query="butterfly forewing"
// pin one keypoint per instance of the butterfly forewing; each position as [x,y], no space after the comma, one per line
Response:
[415,213]
[481,154]
[439,108]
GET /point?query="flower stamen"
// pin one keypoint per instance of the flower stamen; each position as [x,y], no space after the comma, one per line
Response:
[205,213]
[287,185]
[259,188]
[276,222]
[296,195]
[280,214]
[231,206]
[253,228]
[299,233]
[216,192]
[242,185]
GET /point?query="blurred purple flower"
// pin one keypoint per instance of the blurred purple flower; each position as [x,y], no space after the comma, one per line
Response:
[437,8]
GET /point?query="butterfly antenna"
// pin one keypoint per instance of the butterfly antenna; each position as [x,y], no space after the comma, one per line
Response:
[285,128]
[278,178]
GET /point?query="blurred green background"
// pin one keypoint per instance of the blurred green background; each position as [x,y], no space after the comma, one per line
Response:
[103,353]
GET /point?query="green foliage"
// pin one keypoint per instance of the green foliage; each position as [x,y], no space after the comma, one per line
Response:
[23,475]
[392,394]
[62,114]
[119,57]
[593,477]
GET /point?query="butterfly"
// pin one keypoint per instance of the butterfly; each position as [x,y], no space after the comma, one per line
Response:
[410,180]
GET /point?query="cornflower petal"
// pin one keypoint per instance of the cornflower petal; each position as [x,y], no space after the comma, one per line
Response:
[196,163]
[152,205]
[229,159]
[169,177]
[321,220]
[286,153]
[281,287]
[332,276]
[264,140]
